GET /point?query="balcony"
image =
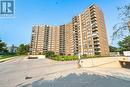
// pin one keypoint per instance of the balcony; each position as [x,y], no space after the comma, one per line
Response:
[95,35]
[93,19]
[96,42]
[97,39]
[97,47]
[97,50]
[94,26]
[92,7]
[93,14]
[94,29]
[92,10]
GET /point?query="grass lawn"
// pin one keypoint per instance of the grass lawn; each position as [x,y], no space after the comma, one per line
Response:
[6,57]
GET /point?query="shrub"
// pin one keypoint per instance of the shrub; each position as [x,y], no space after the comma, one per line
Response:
[49,54]
[64,57]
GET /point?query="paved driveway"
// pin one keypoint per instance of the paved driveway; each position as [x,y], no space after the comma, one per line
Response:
[14,72]
[22,72]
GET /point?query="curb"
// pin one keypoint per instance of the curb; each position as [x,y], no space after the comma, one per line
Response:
[6,59]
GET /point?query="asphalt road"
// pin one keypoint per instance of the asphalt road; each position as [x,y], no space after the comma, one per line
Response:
[22,72]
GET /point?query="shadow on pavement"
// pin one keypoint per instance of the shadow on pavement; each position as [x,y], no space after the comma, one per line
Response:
[80,80]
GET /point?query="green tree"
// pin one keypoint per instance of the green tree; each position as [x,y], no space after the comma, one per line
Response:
[3,48]
[124,44]
[22,49]
[113,49]
[49,53]
[124,25]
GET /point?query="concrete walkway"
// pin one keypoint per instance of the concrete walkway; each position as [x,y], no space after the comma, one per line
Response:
[22,72]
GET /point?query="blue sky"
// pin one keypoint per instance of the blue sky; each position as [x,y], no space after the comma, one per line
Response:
[18,30]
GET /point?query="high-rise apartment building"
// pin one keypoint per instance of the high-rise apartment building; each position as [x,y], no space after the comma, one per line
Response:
[86,34]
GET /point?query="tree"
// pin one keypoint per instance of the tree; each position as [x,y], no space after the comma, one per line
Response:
[22,49]
[3,48]
[124,44]
[124,26]
[113,49]
[13,49]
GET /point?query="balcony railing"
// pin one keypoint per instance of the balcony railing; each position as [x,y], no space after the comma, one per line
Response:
[97,43]
[94,29]
[95,35]
[93,14]
[96,39]
[97,50]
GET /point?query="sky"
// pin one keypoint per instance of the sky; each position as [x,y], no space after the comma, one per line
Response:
[17,30]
